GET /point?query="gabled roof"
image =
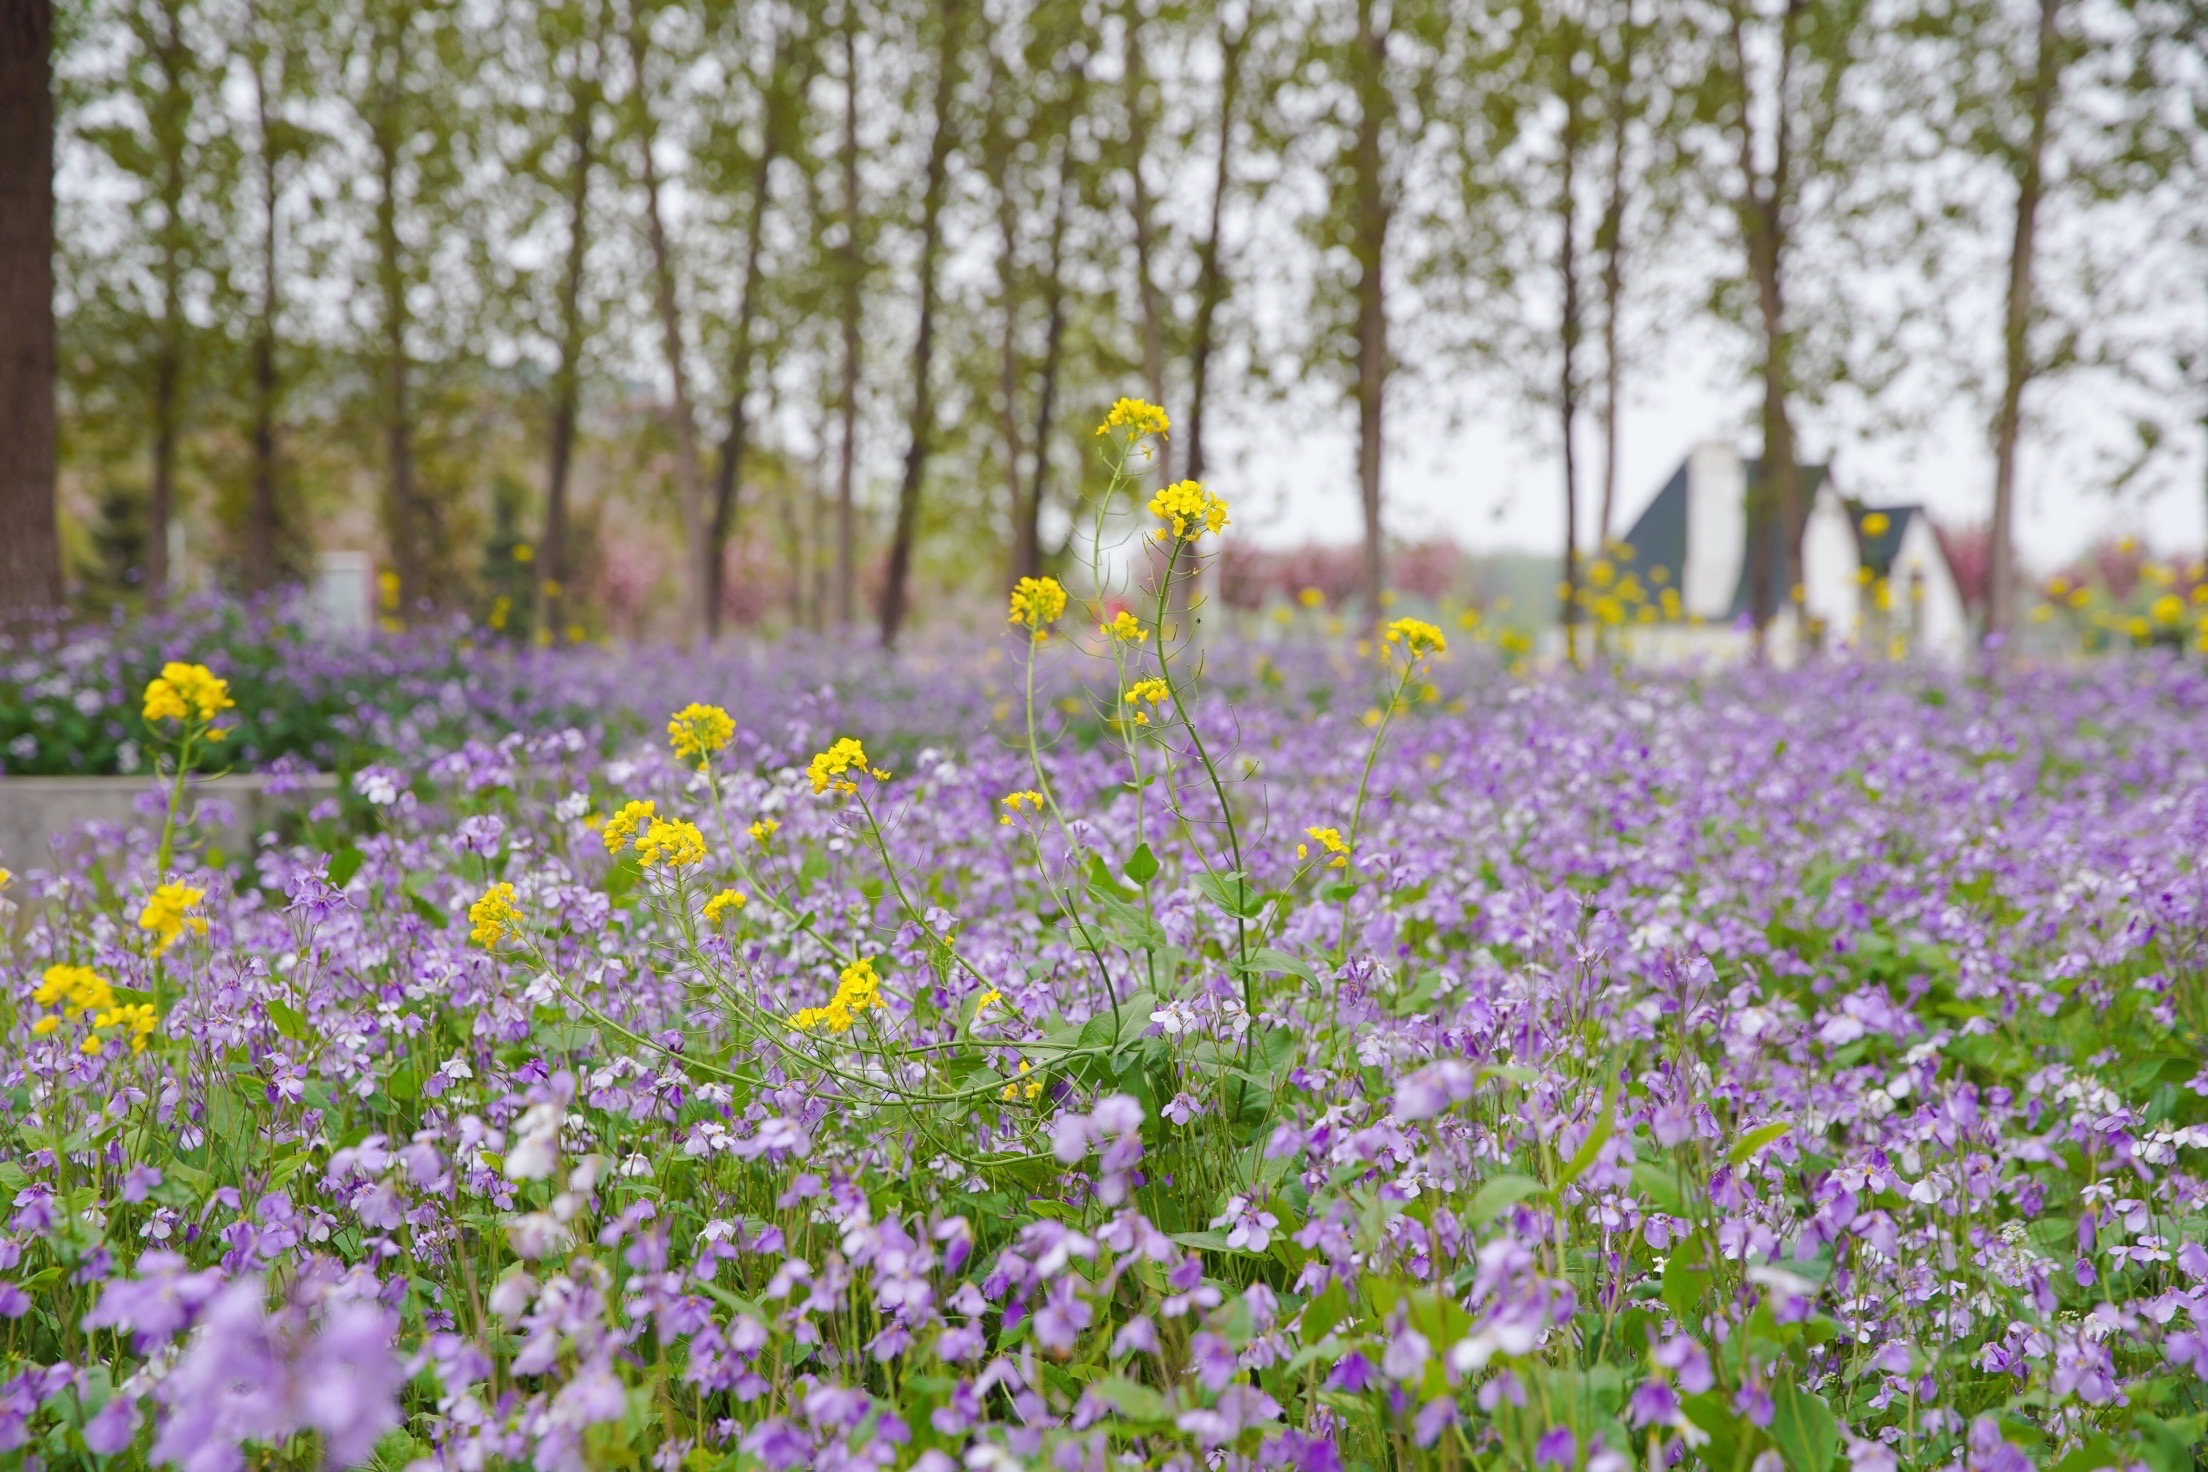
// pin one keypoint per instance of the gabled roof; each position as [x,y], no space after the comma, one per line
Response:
[1658,541]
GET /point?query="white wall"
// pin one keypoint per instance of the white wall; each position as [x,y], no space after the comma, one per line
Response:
[1717,529]
[1926,601]
[1830,589]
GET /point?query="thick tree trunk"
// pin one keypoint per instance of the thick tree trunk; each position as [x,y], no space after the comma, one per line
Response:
[847,397]
[2016,325]
[1141,121]
[1210,278]
[1610,242]
[920,428]
[168,364]
[728,474]
[1371,237]
[681,413]
[551,565]
[161,502]
[30,548]
[402,511]
[1008,291]
[1567,397]
[1027,554]
[264,512]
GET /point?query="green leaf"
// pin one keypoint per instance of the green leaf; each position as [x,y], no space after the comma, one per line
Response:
[1606,1124]
[1232,893]
[288,1021]
[1756,1139]
[1323,1313]
[1804,1427]
[430,914]
[344,864]
[1141,865]
[1660,1186]
[1500,1195]
[1687,1280]
[1135,1401]
[1280,963]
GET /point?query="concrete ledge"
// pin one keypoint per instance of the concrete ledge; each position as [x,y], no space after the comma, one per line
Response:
[35,811]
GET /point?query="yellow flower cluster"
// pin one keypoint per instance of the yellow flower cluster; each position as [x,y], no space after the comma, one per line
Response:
[1137,417]
[1032,1087]
[1329,839]
[187,692]
[857,989]
[139,1018]
[1416,638]
[1156,692]
[675,843]
[763,830]
[494,915]
[699,731]
[167,914]
[1015,800]
[830,768]
[1124,628]
[988,999]
[1188,511]
[721,904]
[1037,602]
[77,990]
[624,825]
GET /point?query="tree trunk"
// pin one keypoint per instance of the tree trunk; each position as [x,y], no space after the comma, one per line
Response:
[1370,237]
[402,513]
[264,512]
[847,398]
[727,476]
[161,503]
[1027,555]
[681,414]
[1568,333]
[1008,289]
[1141,120]
[921,426]
[1210,279]
[30,547]
[2016,324]
[1610,242]
[172,107]
[551,564]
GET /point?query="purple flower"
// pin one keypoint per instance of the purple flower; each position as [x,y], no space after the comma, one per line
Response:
[1652,1404]
[1064,1314]
[112,1427]
[1558,1447]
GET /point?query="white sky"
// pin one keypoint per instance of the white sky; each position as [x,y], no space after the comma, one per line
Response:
[1491,485]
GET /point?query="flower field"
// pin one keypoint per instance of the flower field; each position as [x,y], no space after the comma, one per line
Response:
[1061,1058]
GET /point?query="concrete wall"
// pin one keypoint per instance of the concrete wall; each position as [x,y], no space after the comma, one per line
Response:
[36,810]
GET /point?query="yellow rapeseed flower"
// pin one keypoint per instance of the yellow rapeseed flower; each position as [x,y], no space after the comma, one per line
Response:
[1876,524]
[623,826]
[186,692]
[675,843]
[1124,628]
[1417,638]
[763,830]
[726,901]
[494,915]
[828,768]
[1188,511]
[2168,609]
[699,731]
[1329,839]
[1014,801]
[1036,603]
[167,914]
[76,990]
[857,989]
[1137,417]
[139,1018]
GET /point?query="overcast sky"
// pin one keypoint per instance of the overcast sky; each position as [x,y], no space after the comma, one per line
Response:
[1493,484]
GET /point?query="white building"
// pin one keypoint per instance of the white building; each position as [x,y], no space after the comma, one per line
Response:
[1862,577]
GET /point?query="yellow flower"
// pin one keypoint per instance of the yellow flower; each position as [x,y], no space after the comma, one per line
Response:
[1331,840]
[1154,691]
[494,915]
[524,553]
[1037,603]
[76,990]
[1136,416]
[763,830]
[166,914]
[623,826]
[1311,597]
[674,843]
[140,1019]
[187,692]
[1876,523]
[1124,628]
[1023,1084]
[721,904]
[698,731]
[988,999]
[2168,608]
[1013,800]
[857,989]
[1188,510]
[1416,638]
[827,768]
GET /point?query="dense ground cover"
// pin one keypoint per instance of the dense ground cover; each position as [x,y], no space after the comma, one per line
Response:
[1048,1058]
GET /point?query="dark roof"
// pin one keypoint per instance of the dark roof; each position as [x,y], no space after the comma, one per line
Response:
[1659,540]
[1879,548]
